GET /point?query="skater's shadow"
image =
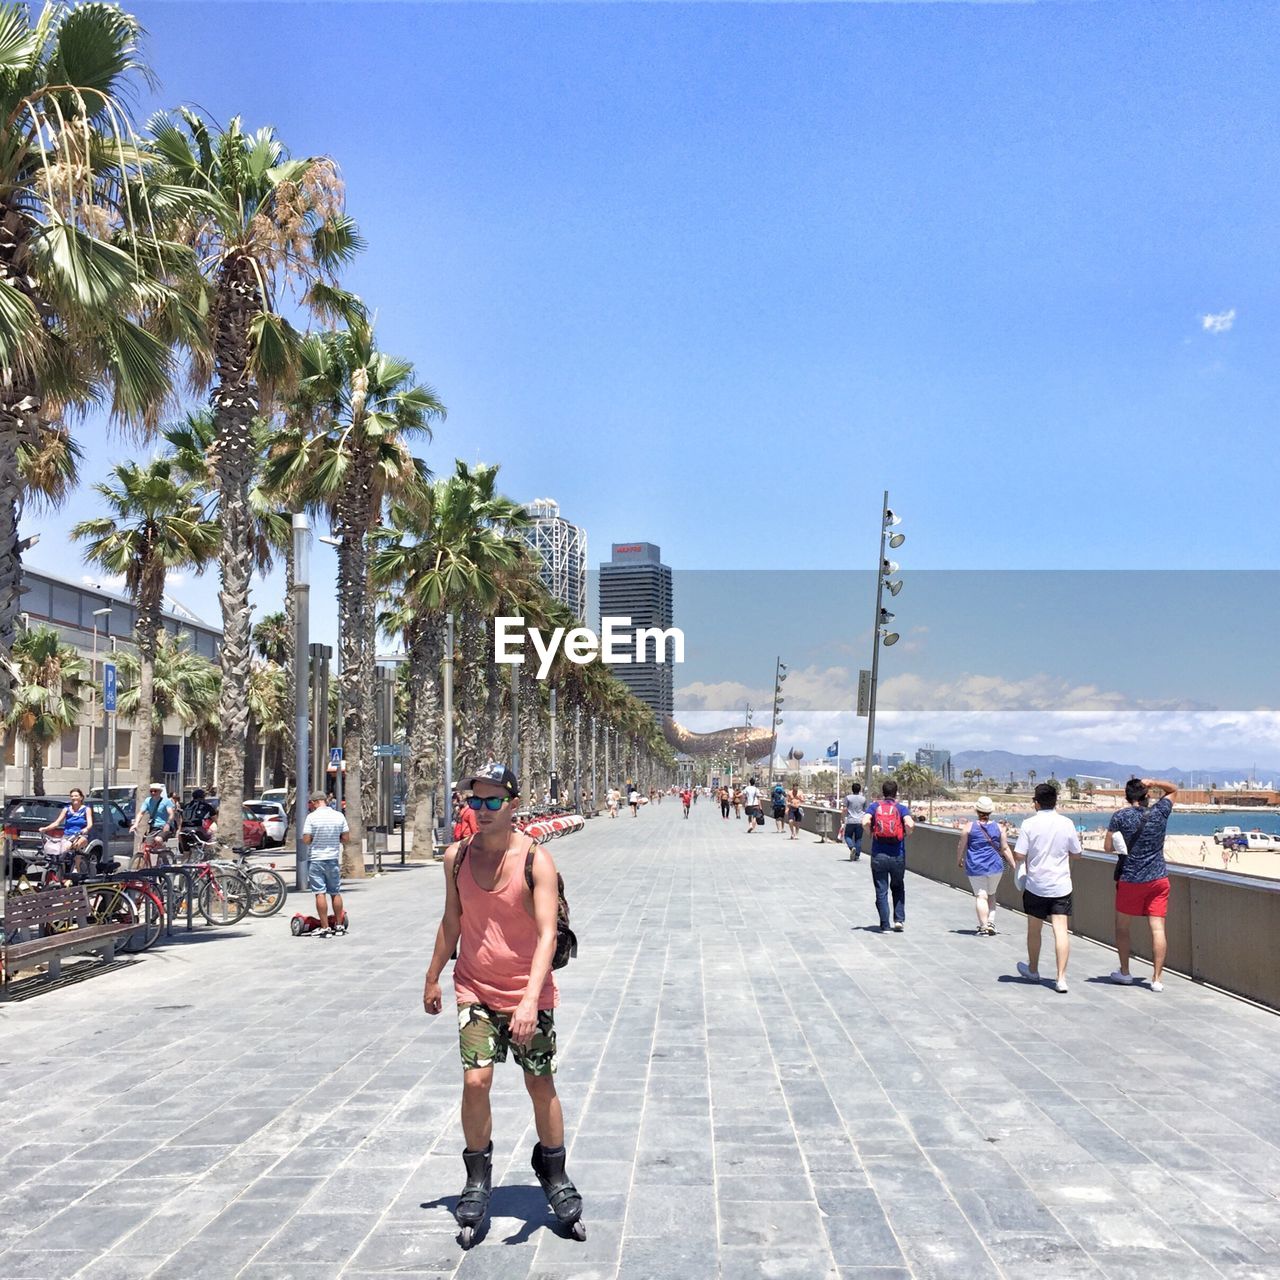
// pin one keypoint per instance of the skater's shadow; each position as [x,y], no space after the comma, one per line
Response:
[526,1204]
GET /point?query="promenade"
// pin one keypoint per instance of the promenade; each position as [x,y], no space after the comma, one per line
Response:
[756,1084]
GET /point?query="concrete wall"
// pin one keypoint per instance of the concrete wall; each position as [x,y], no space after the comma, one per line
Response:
[1223,929]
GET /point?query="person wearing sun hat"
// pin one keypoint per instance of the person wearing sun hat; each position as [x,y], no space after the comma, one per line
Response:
[983,852]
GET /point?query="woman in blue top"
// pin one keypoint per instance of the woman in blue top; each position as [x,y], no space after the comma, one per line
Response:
[983,852]
[74,822]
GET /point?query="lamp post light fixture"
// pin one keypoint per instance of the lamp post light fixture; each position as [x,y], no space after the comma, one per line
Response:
[779,676]
[93,707]
[880,633]
[301,720]
[340,770]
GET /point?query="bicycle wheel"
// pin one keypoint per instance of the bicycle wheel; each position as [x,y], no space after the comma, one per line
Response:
[109,904]
[267,891]
[149,906]
[224,898]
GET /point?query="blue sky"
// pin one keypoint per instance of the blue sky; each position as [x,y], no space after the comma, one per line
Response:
[716,276]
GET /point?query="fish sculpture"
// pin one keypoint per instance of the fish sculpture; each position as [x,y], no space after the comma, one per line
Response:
[749,743]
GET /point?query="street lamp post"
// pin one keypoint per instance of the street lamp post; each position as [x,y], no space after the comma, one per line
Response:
[577,759]
[553,787]
[93,709]
[301,720]
[446,811]
[595,794]
[879,635]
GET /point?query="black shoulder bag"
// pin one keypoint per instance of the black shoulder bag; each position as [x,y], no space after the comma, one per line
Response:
[1124,857]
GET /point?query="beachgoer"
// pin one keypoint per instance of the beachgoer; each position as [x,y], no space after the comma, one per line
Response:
[854,811]
[737,802]
[1047,841]
[795,810]
[1142,879]
[723,794]
[982,853]
[686,799]
[505,935]
[891,823]
[633,799]
[751,800]
[611,800]
[779,798]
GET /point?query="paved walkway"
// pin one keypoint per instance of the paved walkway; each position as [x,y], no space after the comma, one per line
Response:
[756,1085]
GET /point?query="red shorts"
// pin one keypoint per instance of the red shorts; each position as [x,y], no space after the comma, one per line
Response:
[1148,899]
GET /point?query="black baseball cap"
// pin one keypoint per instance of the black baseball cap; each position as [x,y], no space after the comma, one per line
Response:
[497,774]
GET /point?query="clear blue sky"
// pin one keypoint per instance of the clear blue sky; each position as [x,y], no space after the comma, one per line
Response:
[715,276]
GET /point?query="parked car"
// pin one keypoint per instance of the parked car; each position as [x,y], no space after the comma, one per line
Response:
[276,795]
[125,797]
[254,835]
[25,815]
[275,821]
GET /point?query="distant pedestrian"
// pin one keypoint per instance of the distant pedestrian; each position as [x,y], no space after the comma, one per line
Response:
[611,801]
[1047,841]
[983,853]
[633,799]
[325,832]
[1142,879]
[751,799]
[723,795]
[779,798]
[891,822]
[686,799]
[795,810]
[854,812]
[737,802]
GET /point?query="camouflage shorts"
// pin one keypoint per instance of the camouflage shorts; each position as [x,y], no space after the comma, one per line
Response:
[484,1036]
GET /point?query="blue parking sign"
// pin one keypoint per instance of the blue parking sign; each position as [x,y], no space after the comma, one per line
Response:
[109,686]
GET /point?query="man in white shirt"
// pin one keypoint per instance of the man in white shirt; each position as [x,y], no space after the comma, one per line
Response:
[751,799]
[1047,842]
[325,830]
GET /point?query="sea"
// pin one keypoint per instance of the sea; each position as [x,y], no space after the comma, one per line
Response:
[1180,823]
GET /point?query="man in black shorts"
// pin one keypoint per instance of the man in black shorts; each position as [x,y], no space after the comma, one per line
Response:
[1047,842]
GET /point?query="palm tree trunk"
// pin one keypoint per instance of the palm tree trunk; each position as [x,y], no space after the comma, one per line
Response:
[353,576]
[150,600]
[235,405]
[425,650]
[36,751]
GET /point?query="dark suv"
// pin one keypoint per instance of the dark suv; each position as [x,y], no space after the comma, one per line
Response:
[25,815]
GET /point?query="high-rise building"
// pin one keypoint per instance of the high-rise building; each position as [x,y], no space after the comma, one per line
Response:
[636,584]
[935,758]
[895,758]
[562,548]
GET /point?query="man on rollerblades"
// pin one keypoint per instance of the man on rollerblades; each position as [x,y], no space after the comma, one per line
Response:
[501,898]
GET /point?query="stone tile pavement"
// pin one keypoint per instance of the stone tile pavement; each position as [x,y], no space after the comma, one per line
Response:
[756,1085]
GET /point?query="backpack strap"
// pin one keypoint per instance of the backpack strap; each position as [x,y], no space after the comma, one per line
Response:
[528,866]
[460,859]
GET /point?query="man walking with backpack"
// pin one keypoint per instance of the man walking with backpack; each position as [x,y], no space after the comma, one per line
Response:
[890,823]
[501,911]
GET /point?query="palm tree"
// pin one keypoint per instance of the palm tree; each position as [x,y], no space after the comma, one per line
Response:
[156,524]
[83,314]
[48,694]
[184,685]
[367,408]
[272,639]
[264,223]
[269,705]
[451,552]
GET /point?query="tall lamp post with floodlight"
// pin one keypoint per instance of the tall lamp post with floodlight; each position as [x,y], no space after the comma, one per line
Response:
[880,633]
[779,675]
[93,706]
[301,681]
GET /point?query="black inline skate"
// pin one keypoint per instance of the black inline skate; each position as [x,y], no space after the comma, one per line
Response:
[561,1194]
[472,1210]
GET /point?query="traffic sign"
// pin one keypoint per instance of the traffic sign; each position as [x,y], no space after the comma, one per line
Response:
[335,755]
[109,686]
[393,749]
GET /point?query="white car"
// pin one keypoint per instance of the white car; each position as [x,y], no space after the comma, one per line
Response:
[275,822]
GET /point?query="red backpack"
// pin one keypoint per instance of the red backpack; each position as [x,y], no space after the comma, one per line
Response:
[886,823]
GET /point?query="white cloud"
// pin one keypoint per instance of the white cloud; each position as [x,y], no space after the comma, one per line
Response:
[1219,323]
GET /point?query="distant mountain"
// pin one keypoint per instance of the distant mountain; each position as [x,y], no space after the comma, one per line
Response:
[999,764]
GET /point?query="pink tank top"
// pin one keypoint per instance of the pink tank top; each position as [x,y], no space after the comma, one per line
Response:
[499,937]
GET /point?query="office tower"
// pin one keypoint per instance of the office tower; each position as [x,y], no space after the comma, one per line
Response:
[636,584]
[562,549]
[935,758]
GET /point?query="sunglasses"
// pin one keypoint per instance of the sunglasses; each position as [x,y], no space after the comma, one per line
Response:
[492,803]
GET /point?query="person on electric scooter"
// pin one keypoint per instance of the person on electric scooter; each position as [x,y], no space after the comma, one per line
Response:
[325,831]
[504,931]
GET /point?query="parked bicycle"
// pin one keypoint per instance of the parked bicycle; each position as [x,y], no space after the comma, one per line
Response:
[268,891]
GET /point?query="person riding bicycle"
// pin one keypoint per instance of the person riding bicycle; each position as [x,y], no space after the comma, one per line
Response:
[74,823]
[200,815]
[158,817]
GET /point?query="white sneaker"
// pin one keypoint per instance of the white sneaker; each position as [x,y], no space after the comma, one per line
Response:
[1061,986]
[1157,986]
[1031,975]
[1124,979]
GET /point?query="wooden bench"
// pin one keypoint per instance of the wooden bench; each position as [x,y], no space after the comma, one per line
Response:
[44,926]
